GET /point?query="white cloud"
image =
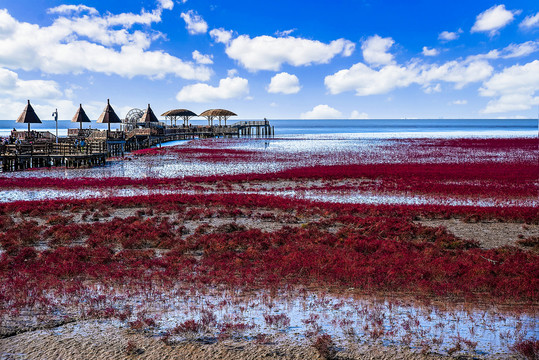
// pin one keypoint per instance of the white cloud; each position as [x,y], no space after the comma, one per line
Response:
[221,35]
[530,22]
[167,4]
[493,19]
[195,24]
[11,85]
[284,32]
[432,89]
[519,50]
[515,88]
[449,36]
[367,81]
[459,73]
[69,9]
[322,112]
[270,53]
[88,43]
[430,52]
[232,73]
[375,50]
[229,88]
[284,83]
[357,115]
[510,51]
[460,102]
[202,59]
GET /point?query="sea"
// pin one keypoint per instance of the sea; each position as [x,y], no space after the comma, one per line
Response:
[372,128]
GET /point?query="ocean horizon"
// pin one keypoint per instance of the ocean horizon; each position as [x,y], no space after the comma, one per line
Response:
[368,128]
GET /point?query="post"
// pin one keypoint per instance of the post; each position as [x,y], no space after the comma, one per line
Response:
[55,114]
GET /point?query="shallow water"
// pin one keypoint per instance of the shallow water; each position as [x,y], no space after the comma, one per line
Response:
[349,319]
[270,156]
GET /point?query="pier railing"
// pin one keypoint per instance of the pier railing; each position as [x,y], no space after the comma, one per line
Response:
[107,135]
[40,149]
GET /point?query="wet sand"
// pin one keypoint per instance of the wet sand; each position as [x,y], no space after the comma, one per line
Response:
[101,340]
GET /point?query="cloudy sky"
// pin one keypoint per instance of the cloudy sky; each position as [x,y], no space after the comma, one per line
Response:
[276,59]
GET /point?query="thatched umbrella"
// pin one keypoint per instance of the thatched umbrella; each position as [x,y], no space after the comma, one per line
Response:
[148,116]
[28,116]
[81,117]
[217,113]
[182,113]
[109,116]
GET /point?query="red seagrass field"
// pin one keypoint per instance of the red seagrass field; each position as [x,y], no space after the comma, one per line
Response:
[419,248]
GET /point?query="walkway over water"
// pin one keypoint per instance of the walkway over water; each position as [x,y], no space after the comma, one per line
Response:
[91,147]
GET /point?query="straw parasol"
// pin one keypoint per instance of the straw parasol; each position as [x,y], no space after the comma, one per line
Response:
[109,116]
[181,113]
[28,116]
[217,113]
[80,116]
[149,116]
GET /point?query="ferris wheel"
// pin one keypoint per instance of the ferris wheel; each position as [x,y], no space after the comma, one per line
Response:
[133,116]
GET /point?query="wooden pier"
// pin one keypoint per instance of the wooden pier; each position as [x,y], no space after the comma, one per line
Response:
[38,150]
[16,157]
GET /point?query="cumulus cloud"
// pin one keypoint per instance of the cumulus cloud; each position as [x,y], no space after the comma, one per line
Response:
[530,22]
[375,50]
[221,35]
[430,52]
[493,19]
[270,53]
[166,4]
[229,88]
[460,102]
[194,23]
[357,115]
[515,88]
[11,85]
[105,44]
[201,58]
[322,112]
[449,36]
[459,73]
[284,83]
[368,81]
[69,9]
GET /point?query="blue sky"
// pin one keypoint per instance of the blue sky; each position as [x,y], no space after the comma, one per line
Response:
[275,59]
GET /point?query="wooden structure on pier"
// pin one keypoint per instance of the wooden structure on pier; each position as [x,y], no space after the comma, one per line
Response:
[81,117]
[25,156]
[182,114]
[115,140]
[258,128]
[217,114]
[91,147]
[28,116]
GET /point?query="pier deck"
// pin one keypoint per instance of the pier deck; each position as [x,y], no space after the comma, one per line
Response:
[100,144]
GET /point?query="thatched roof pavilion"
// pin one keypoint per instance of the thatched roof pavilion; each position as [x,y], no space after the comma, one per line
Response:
[217,113]
[28,116]
[149,116]
[108,116]
[179,113]
[81,117]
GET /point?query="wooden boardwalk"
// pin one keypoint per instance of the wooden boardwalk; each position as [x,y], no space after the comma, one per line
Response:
[42,150]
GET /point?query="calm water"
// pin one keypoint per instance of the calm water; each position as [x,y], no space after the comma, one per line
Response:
[354,128]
